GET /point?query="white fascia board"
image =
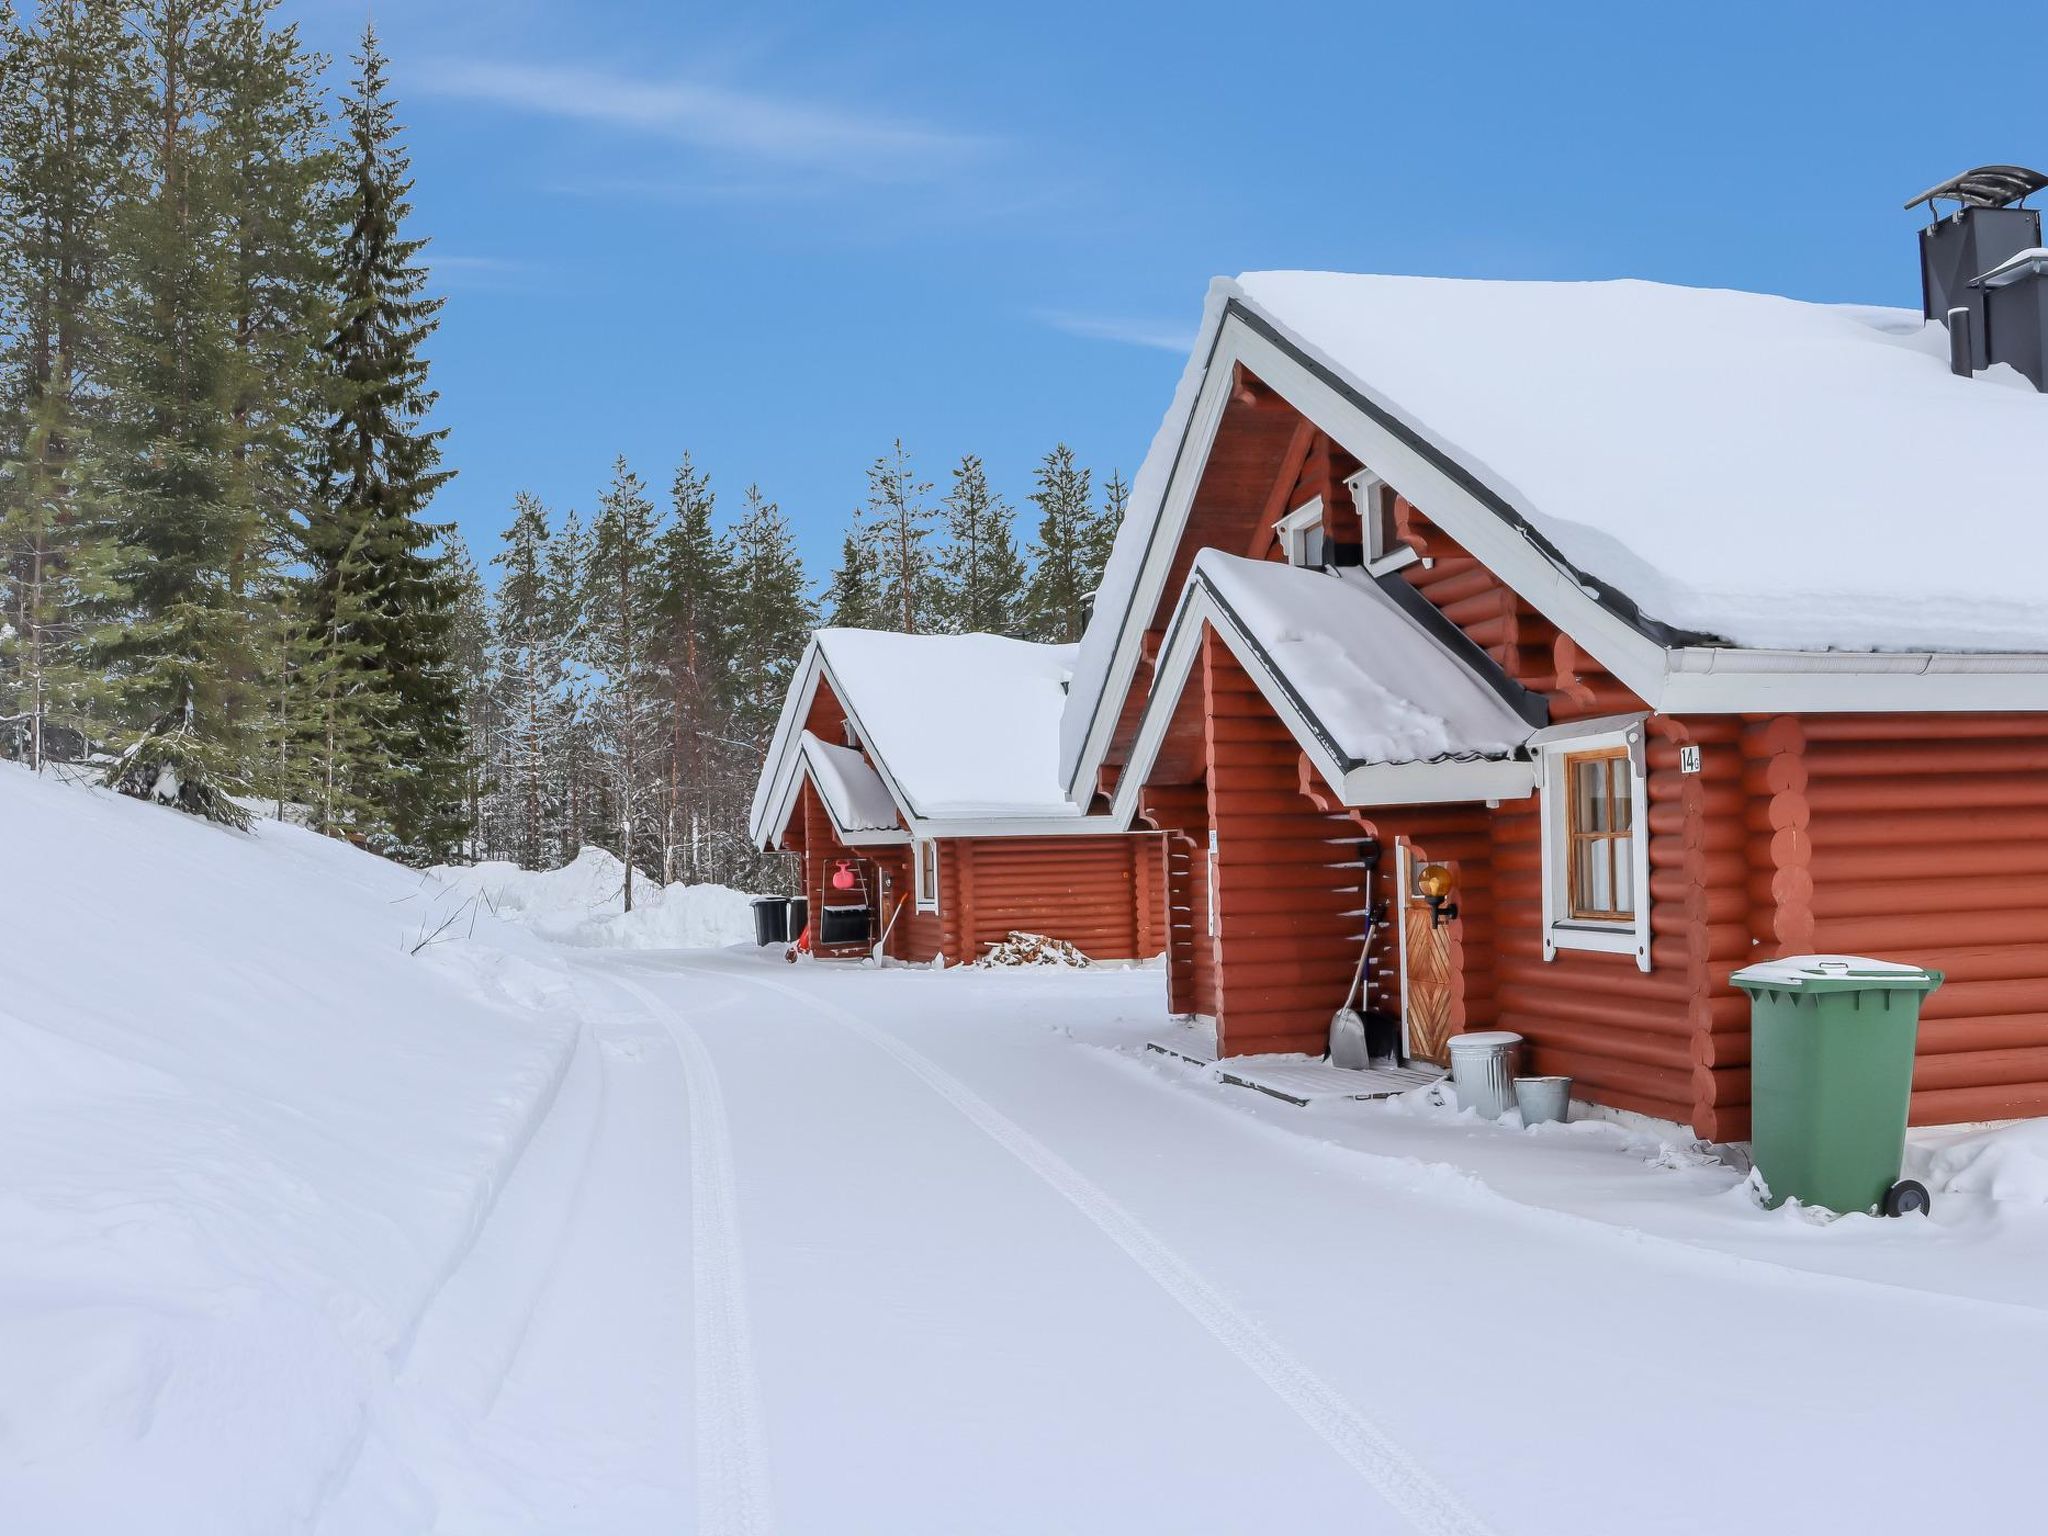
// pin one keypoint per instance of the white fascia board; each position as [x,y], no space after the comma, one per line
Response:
[1161,546]
[768,824]
[1630,655]
[1711,681]
[782,746]
[1169,677]
[1444,783]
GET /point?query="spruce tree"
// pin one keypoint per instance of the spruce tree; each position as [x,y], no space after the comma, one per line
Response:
[1116,501]
[898,532]
[162,463]
[1063,575]
[621,582]
[695,587]
[377,469]
[270,140]
[984,578]
[69,103]
[528,669]
[470,648]
[568,757]
[853,598]
[772,616]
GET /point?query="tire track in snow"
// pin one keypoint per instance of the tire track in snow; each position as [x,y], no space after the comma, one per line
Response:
[734,1494]
[1406,1485]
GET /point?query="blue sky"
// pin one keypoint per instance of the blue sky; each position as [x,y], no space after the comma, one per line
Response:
[781,235]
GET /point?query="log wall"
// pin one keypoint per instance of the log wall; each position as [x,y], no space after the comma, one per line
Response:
[1289,895]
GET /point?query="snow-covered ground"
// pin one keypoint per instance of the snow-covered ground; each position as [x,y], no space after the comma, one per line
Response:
[302,1232]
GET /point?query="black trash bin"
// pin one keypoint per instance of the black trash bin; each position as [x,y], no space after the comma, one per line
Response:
[799,916]
[771,919]
[843,925]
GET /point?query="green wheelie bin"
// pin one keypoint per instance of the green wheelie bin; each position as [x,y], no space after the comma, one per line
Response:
[1831,1072]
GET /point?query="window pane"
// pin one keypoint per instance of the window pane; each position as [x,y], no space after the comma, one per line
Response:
[1624,787]
[1625,875]
[1589,795]
[1589,874]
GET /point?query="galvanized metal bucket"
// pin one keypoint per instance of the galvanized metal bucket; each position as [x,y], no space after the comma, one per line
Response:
[1483,1067]
[1544,1099]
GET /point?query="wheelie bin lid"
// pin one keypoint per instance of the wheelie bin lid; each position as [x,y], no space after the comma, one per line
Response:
[1835,973]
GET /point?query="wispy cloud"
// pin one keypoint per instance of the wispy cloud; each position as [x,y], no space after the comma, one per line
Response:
[1130,331]
[732,122]
[483,274]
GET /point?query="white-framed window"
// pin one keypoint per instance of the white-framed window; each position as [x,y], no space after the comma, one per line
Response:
[1374,499]
[1301,536]
[1596,846]
[926,874]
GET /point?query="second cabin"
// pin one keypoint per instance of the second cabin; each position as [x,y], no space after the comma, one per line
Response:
[915,779]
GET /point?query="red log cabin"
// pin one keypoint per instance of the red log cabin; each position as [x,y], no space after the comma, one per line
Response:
[915,778]
[1680,628]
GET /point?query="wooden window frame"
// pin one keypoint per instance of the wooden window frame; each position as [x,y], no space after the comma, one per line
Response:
[1617,736]
[925,886]
[1577,837]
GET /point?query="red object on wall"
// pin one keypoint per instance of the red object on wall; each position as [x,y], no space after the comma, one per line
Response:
[842,876]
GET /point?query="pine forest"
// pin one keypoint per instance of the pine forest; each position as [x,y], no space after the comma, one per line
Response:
[225,580]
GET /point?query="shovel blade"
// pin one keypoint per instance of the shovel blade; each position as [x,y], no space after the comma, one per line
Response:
[1347,1040]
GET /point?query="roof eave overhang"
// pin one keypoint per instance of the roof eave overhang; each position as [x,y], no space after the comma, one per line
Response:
[1354,783]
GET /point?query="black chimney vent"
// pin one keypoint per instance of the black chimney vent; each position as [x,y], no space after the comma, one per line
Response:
[2016,313]
[1986,230]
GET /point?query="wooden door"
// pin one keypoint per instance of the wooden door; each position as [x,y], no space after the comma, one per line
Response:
[1425,972]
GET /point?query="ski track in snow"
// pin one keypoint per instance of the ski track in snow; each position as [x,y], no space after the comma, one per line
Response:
[1407,1486]
[734,1495]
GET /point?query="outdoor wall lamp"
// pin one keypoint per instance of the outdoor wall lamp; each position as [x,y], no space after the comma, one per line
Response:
[1434,882]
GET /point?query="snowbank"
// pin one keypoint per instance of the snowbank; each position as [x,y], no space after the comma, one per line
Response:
[2006,1164]
[582,903]
[245,1135]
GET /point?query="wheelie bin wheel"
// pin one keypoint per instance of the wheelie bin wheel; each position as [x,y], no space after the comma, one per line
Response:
[1908,1197]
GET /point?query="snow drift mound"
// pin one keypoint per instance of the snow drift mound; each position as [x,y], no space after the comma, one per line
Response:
[583,903]
[245,1134]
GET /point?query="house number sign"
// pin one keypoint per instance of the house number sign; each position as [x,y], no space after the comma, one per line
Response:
[1688,759]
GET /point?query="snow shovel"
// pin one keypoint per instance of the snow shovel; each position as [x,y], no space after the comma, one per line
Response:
[1348,1046]
[883,941]
[1347,1024]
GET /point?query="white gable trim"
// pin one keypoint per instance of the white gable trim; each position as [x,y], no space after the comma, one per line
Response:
[782,806]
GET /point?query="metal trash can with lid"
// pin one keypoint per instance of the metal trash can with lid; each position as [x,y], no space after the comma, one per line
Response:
[1831,1078]
[1483,1070]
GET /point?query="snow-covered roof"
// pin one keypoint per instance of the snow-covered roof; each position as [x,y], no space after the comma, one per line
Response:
[1713,467]
[1388,710]
[960,734]
[1774,473]
[1382,689]
[854,794]
[964,726]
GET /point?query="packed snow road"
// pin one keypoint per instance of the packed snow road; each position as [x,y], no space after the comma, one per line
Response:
[852,1251]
